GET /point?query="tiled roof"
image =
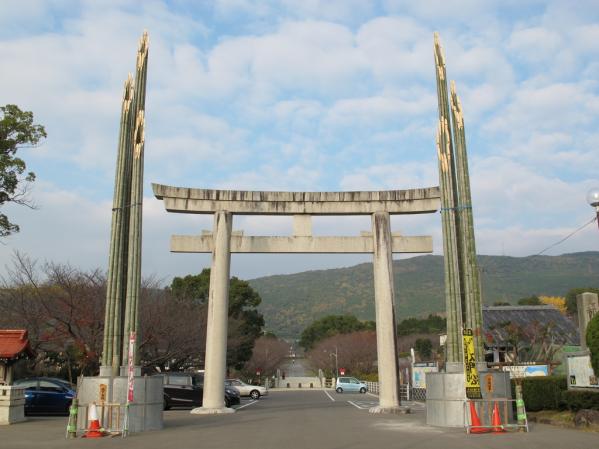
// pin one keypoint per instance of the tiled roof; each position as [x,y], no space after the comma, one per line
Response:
[14,344]
[562,329]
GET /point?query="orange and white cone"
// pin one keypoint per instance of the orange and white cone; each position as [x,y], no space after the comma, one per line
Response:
[94,430]
[496,421]
[476,426]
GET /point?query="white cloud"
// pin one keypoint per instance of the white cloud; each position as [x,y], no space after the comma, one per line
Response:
[408,175]
[558,106]
[535,44]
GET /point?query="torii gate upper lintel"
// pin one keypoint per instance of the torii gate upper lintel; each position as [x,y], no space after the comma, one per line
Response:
[222,241]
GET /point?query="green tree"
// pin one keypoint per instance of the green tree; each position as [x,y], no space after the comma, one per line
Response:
[592,338]
[193,287]
[331,325]
[17,131]
[530,301]
[433,324]
[424,347]
[571,306]
[245,322]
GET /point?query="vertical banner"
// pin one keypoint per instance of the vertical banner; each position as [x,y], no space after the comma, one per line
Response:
[131,366]
[472,379]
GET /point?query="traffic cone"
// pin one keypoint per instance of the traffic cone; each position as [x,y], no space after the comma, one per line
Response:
[94,430]
[496,421]
[475,426]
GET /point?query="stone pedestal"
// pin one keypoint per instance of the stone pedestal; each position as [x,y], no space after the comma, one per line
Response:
[145,412]
[12,405]
[445,395]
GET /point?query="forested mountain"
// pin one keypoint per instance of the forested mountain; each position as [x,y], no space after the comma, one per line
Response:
[291,302]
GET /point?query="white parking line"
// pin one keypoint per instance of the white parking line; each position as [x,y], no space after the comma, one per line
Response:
[246,405]
[355,405]
[330,397]
[373,395]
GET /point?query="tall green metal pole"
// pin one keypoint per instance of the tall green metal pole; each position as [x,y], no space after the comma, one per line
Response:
[120,215]
[121,266]
[135,225]
[448,217]
[471,283]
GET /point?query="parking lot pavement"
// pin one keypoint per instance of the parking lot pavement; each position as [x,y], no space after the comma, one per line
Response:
[295,420]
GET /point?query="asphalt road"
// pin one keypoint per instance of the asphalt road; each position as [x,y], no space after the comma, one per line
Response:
[297,420]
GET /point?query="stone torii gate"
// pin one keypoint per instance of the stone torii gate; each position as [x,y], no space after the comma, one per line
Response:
[222,241]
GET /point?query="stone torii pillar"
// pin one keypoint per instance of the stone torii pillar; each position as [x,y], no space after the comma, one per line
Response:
[386,332]
[218,315]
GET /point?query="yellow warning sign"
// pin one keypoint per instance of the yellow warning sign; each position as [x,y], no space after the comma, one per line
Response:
[472,379]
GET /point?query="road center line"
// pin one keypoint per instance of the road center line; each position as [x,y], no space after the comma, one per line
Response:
[355,405]
[330,397]
[246,405]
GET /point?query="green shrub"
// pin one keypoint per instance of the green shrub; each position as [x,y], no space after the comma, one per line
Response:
[578,399]
[542,393]
[370,377]
[592,338]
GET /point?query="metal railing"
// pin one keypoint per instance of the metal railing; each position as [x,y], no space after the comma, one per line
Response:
[406,392]
[495,415]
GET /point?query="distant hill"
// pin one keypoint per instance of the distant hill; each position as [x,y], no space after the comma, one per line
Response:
[291,302]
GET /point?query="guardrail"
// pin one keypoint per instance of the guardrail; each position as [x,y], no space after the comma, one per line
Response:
[406,392]
[494,415]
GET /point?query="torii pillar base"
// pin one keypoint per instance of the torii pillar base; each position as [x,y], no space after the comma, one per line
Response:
[401,410]
[211,411]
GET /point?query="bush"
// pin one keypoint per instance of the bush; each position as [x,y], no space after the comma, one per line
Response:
[542,393]
[578,399]
[370,377]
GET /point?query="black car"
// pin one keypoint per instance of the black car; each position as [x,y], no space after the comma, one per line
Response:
[46,395]
[187,390]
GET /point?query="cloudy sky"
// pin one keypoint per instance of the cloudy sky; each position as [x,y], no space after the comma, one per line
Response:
[304,95]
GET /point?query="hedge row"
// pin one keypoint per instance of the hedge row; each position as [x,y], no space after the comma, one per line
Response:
[542,393]
[551,393]
[580,399]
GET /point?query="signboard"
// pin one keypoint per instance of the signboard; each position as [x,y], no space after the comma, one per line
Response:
[131,366]
[342,371]
[580,372]
[442,339]
[419,371]
[472,379]
[103,389]
[518,371]
[488,382]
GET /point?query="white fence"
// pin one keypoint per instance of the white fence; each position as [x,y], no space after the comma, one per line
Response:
[406,392]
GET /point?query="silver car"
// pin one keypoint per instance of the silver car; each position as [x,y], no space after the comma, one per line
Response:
[253,391]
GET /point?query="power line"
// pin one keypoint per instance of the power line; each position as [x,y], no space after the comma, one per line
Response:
[568,236]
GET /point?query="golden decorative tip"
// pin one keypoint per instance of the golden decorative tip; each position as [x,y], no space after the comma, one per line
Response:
[139,135]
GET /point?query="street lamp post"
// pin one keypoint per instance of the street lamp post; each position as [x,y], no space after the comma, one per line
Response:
[336,361]
[593,200]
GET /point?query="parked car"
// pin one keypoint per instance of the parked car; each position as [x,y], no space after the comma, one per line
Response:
[46,395]
[187,390]
[349,385]
[253,391]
